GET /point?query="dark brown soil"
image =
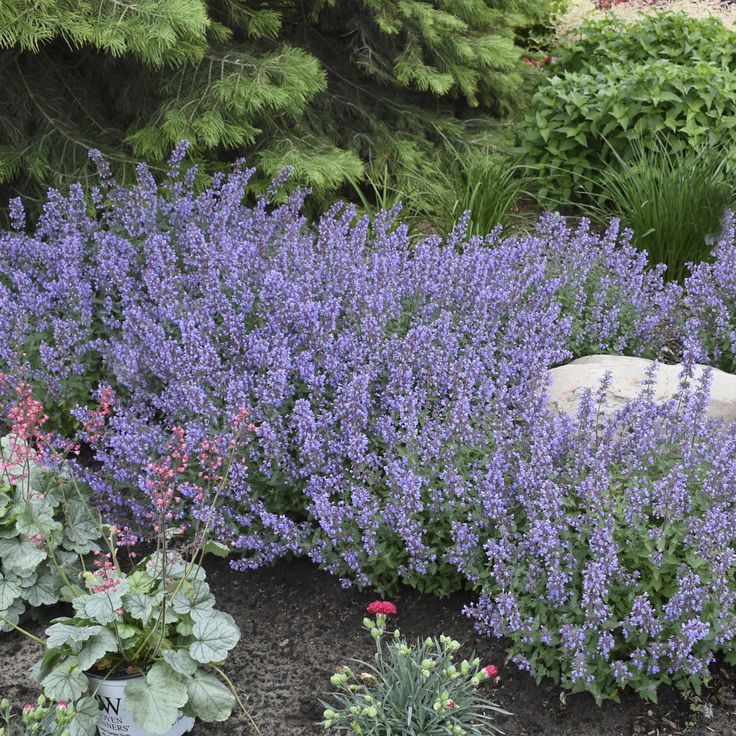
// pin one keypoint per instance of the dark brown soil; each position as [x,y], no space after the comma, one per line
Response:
[298,625]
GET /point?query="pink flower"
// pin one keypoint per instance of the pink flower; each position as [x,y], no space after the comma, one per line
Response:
[385,608]
[450,703]
[491,670]
[62,705]
[27,708]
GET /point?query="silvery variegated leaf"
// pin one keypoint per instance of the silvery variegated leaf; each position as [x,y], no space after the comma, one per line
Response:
[195,599]
[10,590]
[86,717]
[176,567]
[36,516]
[142,606]
[12,614]
[214,636]
[101,607]
[28,581]
[156,699]
[96,647]
[45,591]
[81,530]
[180,661]
[209,699]
[61,634]
[20,556]
[65,681]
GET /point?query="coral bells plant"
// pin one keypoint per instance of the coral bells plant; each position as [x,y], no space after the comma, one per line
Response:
[411,689]
[156,617]
[153,617]
[614,567]
[46,525]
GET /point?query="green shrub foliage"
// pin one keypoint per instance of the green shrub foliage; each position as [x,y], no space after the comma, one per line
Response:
[663,78]
[323,86]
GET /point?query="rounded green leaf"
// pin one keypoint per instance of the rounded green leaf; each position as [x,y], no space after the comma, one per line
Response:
[214,637]
[96,647]
[180,661]
[209,699]
[59,634]
[155,700]
[195,599]
[9,591]
[65,681]
[86,717]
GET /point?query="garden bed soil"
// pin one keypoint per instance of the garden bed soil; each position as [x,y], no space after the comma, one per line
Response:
[298,625]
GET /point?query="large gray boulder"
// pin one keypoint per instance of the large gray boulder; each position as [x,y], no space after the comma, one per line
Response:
[568,383]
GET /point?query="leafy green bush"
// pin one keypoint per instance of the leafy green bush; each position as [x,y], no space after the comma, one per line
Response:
[673,202]
[674,37]
[45,524]
[583,120]
[328,87]
[613,90]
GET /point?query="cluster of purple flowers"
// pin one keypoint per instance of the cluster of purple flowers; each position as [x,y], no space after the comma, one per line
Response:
[613,562]
[397,396]
[710,300]
[380,374]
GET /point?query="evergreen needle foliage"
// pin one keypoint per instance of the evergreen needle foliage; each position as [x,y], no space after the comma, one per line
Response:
[328,87]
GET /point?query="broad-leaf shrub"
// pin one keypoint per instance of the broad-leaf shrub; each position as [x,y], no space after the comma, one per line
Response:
[710,301]
[613,88]
[580,118]
[612,563]
[676,37]
[380,376]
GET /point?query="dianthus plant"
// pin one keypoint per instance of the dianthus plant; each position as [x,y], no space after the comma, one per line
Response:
[614,565]
[37,719]
[411,690]
[710,302]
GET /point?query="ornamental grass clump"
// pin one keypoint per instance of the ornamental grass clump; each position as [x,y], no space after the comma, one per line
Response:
[411,689]
[380,373]
[710,301]
[614,568]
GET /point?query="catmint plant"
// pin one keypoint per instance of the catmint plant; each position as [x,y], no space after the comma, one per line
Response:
[381,373]
[411,689]
[710,302]
[612,561]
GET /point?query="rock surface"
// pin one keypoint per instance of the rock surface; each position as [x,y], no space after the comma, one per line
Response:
[568,384]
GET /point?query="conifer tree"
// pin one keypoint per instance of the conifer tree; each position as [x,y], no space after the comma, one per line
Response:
[328,87]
